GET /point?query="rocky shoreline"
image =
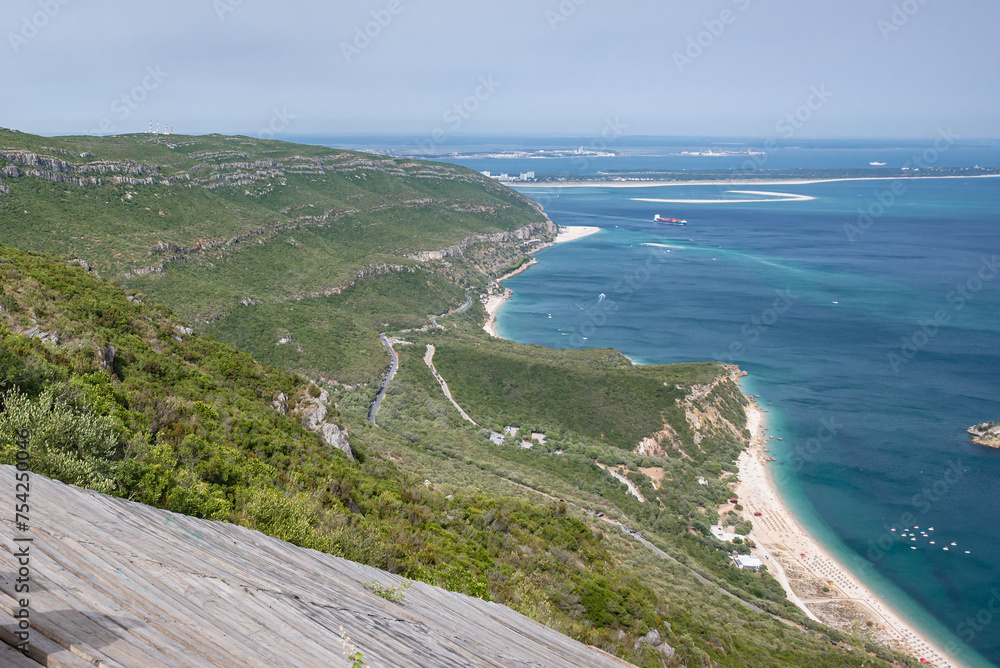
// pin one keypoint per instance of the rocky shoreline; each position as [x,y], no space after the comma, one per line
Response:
[986,434]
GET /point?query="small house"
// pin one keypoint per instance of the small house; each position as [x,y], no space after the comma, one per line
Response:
[747,561]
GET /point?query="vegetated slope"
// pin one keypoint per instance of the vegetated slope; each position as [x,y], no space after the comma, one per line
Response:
[190,424]
[680,472]
[219,228]
[226,596]
[182,422]
[595,393]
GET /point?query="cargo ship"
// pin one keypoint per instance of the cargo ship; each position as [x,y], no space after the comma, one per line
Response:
[669,221]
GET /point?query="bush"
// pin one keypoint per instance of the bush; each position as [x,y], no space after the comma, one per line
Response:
[67,442]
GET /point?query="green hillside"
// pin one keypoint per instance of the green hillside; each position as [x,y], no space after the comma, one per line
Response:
[222,228]
[179,421]
[206,376]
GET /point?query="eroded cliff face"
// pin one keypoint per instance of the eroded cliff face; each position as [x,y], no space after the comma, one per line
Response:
[710,410]
[986,434]
[312,412]
[546,227]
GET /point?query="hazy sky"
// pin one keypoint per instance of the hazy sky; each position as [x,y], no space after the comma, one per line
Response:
[868,68]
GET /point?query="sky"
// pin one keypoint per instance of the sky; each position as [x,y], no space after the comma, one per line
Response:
[851,68]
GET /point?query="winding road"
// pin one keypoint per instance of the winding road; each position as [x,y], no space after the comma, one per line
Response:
[394,365]
[461,309]
[429,361]
[393,368]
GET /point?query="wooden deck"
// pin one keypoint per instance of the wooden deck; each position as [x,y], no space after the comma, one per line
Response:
[120,585]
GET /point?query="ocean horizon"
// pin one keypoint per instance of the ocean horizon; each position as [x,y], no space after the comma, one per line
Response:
[879,318]
[869,309]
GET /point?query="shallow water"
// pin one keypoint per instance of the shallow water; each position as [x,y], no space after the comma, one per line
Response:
[886,327]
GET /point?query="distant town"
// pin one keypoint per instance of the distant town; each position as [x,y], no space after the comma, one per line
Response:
[523,177]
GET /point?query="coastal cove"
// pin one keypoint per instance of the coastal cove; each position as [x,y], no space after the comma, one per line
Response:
[815,317]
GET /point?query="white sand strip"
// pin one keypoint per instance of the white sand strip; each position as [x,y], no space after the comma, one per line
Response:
[572,233]
[783,541]
[733,182]
[768,197]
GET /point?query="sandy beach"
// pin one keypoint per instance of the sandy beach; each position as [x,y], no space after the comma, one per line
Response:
[733,182]
[570,233]
[492,304]
[803,568]
[781,542]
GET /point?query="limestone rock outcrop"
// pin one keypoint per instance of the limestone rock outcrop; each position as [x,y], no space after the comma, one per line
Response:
[312,412]
[986,434]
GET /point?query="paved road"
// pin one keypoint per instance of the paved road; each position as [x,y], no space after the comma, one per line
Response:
[393,368]
[461,309]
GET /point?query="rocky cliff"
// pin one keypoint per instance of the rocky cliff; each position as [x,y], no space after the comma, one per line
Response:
[987,434]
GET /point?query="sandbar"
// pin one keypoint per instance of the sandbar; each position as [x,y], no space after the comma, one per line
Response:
[733,182]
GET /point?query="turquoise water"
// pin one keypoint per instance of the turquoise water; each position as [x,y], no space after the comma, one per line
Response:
[884,330]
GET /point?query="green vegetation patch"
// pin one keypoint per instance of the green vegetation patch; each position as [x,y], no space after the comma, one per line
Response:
[595,393]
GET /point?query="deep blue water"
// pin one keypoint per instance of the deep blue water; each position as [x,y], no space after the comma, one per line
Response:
[880,331]
[862,331]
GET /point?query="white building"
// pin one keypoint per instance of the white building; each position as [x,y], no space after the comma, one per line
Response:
[721,533]
[747,561]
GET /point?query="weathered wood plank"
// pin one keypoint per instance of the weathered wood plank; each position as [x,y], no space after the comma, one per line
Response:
[11,658]
[131,586]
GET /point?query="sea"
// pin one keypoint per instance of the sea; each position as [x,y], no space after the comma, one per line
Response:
[866,312]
